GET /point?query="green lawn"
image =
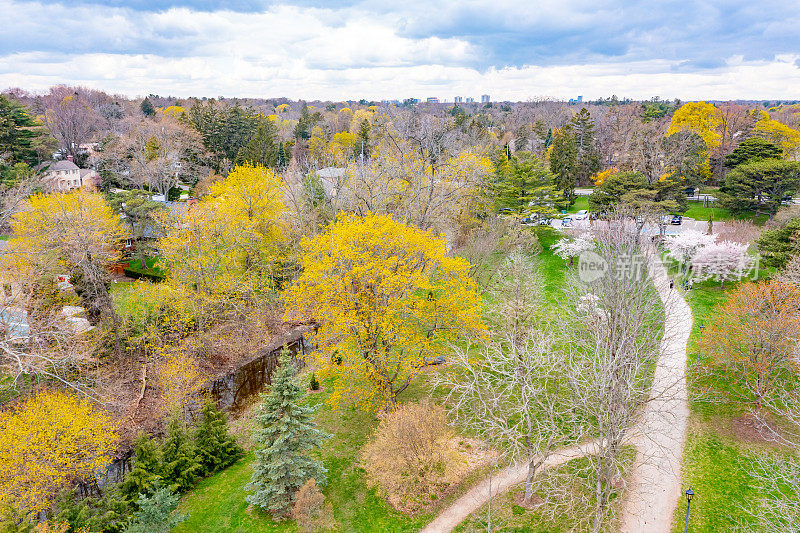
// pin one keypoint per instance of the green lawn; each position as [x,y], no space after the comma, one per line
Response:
[716,460]
[217,503]
[581,202]
[152,268]
[552,267]
[698,212]
[5,237]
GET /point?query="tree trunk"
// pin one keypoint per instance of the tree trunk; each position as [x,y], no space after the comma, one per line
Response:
[529,481]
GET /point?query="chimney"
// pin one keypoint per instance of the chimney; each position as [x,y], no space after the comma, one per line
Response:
[70,159]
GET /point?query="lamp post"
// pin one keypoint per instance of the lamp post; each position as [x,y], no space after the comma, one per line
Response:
[702,328]
[689,494]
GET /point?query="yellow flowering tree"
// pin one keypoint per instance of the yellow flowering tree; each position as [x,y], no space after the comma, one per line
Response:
[386,299]
[74,233]
[700,118]
[48,441]
[778,133]
[601,176]
[228,243]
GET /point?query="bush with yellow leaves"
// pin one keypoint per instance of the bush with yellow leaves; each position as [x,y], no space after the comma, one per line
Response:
[412,457]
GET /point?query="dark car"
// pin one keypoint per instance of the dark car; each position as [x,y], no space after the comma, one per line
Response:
[677,220]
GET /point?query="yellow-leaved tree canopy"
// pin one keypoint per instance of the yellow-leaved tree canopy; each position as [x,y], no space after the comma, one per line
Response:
[230,243]
[701,118]
[74,233]
[49,441]
[387,299]
[788,139]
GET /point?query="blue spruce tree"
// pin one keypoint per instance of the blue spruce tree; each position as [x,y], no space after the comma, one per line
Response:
[286,438]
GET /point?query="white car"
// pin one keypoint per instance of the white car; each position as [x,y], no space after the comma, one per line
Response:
[583,214]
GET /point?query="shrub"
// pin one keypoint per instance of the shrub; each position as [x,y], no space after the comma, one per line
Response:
[311,511]
[314,385]
[109,513]
[412,456]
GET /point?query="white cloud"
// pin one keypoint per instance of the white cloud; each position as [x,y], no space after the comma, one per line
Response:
[354,52]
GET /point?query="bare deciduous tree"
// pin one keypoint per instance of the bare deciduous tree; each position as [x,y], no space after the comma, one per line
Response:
[613,328]
[153,153]
[511,394]
[70,116]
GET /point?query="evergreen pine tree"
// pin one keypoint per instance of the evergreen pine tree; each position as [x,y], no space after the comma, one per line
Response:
[216,448]
[146,469]
[109,513]
[525,186]
[587,158]
[564,161]
[286,437]
[179,465]
[282,158]
[147,108]
[362,146]
[156,513]
[262,148]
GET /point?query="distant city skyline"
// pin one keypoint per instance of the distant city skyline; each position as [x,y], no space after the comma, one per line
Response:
[350,49]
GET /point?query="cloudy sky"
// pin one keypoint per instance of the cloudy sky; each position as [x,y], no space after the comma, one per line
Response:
[385,49]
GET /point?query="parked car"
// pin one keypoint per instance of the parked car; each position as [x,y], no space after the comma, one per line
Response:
[528,221]
[583,214]
[544,221]
[566,221]
[677,220]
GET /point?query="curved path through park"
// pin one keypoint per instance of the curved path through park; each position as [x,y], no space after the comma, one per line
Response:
[498,483]
[655,482]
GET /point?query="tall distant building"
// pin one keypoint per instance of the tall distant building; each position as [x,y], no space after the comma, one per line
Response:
[458,99]
[577,100]
[485,98]
[470,99]
[433,100]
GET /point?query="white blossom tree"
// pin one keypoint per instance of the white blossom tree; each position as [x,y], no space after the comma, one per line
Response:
[569,248]
[683,246]
[723,260]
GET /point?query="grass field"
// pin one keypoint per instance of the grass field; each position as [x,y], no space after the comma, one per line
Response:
[581,202]
[698,212]
[717,458]
[217,503]
[152,268]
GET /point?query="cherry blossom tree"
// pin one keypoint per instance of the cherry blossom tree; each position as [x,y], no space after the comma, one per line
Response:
[683,246]
[569,248]
[724,260]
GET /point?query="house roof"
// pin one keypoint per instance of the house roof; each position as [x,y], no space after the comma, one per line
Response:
[64,164]
[331,172]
